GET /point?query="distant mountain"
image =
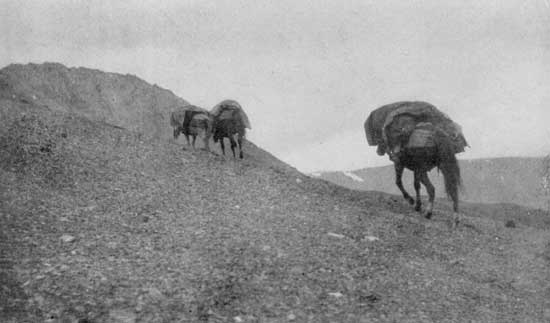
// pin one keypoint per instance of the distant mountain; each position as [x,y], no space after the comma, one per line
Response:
[497,180]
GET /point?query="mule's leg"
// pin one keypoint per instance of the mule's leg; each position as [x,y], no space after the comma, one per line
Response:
[240,142]
[207,141]
[233,145]
[187,138]
[176,133]
[222,145]
[399,182]
[456,219]
[417,188]
[431,193]
[194,139]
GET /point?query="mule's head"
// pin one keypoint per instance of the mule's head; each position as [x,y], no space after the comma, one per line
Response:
[394,153]
[381,150]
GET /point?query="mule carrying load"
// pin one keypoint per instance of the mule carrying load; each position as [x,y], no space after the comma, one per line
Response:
[230,121]
[400,125]
[178,117]
[419,137]
[192,121]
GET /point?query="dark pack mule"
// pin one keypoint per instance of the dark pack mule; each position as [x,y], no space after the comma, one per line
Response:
[229,124]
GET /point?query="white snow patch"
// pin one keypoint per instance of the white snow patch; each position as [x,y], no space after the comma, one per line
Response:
[353,176]
[316,174]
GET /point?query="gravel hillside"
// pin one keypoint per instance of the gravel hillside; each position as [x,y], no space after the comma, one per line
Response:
[102,224]
[122,100]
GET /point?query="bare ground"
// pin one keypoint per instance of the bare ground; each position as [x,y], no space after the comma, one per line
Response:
[101,225]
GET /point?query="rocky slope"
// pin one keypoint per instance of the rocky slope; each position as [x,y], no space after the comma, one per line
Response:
[495,180]
[101,224]
[122,100]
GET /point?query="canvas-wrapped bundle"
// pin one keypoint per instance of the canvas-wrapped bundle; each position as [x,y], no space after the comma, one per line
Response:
[177,117]
[422,136]
[225,109]
[395,123]
[420,112]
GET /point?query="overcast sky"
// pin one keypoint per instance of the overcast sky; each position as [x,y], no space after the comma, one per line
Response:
[308,73]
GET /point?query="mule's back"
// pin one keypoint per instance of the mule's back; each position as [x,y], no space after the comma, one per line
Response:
[230,105]
[227,114]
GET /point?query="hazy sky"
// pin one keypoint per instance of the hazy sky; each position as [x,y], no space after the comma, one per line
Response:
[308,73]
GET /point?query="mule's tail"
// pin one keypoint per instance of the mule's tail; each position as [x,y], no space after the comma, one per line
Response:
[448,165]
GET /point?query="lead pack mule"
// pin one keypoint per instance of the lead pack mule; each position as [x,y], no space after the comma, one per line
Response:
[418,137]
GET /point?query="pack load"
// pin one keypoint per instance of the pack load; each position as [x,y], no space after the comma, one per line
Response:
[225,109]
[194,115]
[422,136]
[177,117]
[411,125]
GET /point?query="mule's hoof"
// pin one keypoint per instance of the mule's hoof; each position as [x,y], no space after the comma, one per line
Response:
[410,200]
[428,215]
[418,208]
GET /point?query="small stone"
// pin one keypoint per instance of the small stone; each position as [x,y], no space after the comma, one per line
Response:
[90,208]
[155,294]
[39,300]
[336,294]
[67,238]
[238,319]
[80,308]
[291,317]
[336,235]
[298,181]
